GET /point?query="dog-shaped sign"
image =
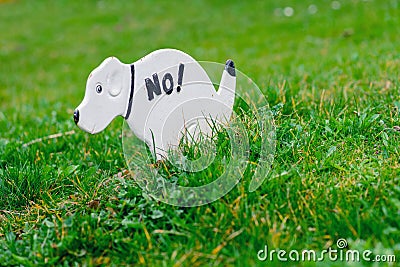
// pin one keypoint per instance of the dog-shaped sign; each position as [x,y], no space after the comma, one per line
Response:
[161,96]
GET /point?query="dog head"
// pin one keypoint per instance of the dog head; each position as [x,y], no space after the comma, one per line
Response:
[106,96]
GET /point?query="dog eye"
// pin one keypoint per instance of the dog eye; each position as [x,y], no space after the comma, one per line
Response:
[99,89]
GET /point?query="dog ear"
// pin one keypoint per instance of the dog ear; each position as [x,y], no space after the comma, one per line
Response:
[114,76]
[114,83]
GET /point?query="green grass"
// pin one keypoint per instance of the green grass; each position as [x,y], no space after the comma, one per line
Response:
[331,79]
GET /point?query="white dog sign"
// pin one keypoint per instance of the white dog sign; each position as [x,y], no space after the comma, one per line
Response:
[160,96]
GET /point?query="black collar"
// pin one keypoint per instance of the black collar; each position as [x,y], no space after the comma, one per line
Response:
[128,112]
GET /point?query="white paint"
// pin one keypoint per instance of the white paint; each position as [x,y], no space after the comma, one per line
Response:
[166,115]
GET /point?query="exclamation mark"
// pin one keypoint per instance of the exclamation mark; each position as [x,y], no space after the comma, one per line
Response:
[180,77]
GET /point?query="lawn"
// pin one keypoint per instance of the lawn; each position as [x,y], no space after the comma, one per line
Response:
[329,69]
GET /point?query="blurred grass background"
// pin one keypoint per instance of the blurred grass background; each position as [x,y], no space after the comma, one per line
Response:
[329,69]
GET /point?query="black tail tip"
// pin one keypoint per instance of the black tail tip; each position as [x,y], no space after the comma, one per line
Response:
[230,67]
[76,116]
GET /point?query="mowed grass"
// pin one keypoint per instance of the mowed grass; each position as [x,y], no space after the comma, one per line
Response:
[331,79]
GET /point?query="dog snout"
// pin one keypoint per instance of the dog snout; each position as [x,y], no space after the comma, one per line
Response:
[76,116]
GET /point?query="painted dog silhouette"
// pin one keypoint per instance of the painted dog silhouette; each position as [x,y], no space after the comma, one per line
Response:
[161,96]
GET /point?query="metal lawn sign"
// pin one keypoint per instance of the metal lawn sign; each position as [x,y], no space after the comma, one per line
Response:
[145,91]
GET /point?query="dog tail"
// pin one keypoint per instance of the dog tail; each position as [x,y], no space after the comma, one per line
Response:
[227,86]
